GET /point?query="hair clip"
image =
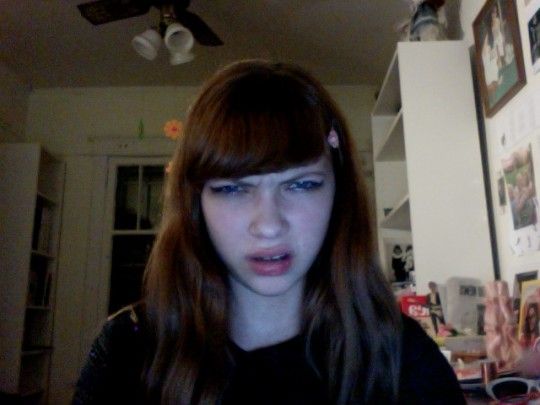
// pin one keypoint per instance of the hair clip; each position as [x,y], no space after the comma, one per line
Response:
[333,139]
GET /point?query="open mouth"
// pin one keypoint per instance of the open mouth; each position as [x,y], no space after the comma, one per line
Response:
[274,258]
[271,264]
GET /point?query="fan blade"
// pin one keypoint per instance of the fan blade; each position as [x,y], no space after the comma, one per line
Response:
[104,11]
[202,32]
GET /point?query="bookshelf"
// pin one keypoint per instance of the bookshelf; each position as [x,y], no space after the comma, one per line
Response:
[428,175]
[31,190]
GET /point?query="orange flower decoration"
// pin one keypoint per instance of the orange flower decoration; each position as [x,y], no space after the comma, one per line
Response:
[173,129]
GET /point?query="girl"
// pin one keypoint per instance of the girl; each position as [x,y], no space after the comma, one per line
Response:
[262,286]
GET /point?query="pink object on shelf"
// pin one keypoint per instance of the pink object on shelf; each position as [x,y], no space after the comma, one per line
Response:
[500,326]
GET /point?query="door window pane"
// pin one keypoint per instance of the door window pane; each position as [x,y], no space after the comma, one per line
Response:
[151,196]
[137,212]
[130,254]
[127,192]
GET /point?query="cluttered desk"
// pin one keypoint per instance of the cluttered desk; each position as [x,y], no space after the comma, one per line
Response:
[492,340]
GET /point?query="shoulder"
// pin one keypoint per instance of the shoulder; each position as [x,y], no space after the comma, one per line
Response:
[414,335]
[115,359]
[127,319]
[124,331]
[426,375]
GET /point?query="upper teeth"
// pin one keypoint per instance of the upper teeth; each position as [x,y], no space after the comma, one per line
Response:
[277,257]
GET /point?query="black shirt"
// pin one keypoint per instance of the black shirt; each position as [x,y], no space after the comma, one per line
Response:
[278,374]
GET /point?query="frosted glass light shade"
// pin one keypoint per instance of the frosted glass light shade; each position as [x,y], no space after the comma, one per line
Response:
[147,44]
[178,38]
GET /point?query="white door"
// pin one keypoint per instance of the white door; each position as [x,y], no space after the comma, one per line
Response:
[133,212]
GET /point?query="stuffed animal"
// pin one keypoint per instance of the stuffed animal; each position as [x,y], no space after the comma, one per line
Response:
[427,22]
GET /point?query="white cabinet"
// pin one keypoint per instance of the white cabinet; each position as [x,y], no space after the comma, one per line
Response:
[428,174]
[31,187]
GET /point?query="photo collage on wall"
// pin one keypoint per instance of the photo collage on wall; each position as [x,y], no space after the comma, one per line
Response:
[518,171]
[497,32]
[517,197]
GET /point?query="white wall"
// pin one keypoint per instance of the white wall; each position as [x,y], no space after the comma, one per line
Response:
[85,126]
[510,263]
[13,105]
[66,120]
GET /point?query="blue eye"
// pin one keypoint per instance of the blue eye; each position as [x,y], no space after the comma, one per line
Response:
[228,189]
[305,185]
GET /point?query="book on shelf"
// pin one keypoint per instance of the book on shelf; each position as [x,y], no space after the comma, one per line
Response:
[43,221]
[47,292]
[39,281]
[45,229]
[37,224]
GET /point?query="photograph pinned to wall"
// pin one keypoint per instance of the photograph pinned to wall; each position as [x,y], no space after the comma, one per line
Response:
[533,28]
[518,170]
[519,178]
[499,57]
[529,317]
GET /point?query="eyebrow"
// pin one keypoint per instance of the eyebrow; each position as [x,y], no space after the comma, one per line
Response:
[288,176]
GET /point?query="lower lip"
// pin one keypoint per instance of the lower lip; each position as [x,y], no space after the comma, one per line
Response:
[270,268]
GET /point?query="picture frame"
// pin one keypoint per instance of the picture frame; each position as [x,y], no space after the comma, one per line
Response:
[529,319]
[519,279]
[498,54]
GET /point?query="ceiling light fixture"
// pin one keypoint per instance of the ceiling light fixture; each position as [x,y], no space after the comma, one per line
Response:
[147,44]
[179,41]
[177,38]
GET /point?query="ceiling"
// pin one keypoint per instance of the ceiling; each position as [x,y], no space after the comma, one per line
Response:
[48,43]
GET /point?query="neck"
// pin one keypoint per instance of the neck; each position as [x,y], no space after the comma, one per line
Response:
[258,321]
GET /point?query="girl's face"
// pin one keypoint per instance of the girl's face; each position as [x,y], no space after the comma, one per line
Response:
[269,228]
[531,315]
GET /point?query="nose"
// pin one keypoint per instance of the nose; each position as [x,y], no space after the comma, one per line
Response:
[268,220]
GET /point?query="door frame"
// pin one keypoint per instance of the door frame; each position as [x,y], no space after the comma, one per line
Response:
[113,163]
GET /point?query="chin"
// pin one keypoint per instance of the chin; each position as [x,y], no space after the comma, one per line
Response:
[272,287]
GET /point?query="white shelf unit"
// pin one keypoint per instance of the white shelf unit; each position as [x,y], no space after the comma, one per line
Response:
[428,174]
[31,190]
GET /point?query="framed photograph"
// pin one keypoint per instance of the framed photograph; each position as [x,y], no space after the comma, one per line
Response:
[529,319]
[518,288]
[499,56]
[521,278]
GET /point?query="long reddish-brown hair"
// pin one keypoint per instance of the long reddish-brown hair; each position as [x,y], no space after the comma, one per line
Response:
[255,117]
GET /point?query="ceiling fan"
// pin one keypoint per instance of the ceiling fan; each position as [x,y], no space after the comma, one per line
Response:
[105,11]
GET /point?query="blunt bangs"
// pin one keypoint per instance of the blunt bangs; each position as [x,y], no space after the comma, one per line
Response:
[236,132]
